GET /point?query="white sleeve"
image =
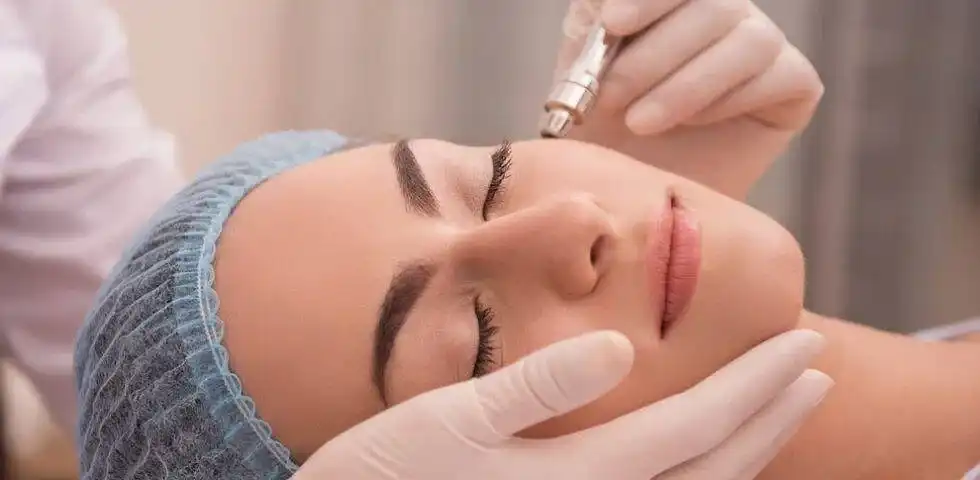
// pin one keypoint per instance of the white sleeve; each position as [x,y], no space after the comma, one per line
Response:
[23,88]
[950,331]
[77,184]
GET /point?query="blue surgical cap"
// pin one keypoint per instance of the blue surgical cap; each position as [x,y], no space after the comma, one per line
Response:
[156,396]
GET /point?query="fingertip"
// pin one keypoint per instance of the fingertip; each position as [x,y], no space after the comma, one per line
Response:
[806,333]
[553,381]
[818,382]
[609,351]
[602,360]
[579,18]
[647,118]
[620,349]
[620,17]
[808,342]
[814,375]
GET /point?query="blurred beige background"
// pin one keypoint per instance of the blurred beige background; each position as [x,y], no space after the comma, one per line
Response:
[221,72]
[878,190]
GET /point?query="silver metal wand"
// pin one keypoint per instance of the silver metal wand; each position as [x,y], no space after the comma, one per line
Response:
[572,98]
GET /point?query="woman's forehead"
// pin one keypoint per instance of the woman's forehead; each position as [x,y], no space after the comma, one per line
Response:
[301,268]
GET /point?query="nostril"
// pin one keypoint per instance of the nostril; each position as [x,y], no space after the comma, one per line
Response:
[595,253]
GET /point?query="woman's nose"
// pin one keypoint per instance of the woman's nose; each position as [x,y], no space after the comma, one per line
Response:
[560,243]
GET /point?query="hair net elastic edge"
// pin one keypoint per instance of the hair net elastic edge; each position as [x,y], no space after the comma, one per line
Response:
[199,214]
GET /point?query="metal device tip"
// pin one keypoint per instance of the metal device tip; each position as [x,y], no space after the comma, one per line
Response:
[556,123]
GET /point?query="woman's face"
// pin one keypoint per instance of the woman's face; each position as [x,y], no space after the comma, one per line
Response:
[360,280]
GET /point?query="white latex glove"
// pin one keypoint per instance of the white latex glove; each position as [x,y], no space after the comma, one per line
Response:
[709,89]
[727,427]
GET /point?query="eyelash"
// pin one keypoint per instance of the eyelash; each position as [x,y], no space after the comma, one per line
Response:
[501,172]
[486,347]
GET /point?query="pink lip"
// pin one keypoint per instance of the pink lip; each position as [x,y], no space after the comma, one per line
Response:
[673,261]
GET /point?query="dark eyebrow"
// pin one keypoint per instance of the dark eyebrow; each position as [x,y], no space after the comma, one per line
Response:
[411,181]
[406,286]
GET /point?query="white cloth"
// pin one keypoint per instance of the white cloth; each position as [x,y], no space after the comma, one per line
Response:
[80,170]
[949,332]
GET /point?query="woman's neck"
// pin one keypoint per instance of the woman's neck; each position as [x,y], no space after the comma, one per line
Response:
[901,409]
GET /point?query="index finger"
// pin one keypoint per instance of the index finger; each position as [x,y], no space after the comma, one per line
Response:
[551,382]
[681,427]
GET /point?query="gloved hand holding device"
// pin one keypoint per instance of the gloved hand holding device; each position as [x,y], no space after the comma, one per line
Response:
[727,427]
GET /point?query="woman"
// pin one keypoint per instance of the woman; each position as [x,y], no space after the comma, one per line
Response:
[494,245]
[417,297]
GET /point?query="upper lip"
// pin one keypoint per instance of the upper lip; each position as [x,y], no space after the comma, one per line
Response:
[673,257]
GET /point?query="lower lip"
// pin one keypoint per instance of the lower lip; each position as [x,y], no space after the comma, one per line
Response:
[674,261]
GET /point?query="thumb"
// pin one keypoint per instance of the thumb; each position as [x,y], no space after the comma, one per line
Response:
[553,381]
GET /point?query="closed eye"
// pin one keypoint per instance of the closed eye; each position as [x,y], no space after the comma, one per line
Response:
[501,160]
